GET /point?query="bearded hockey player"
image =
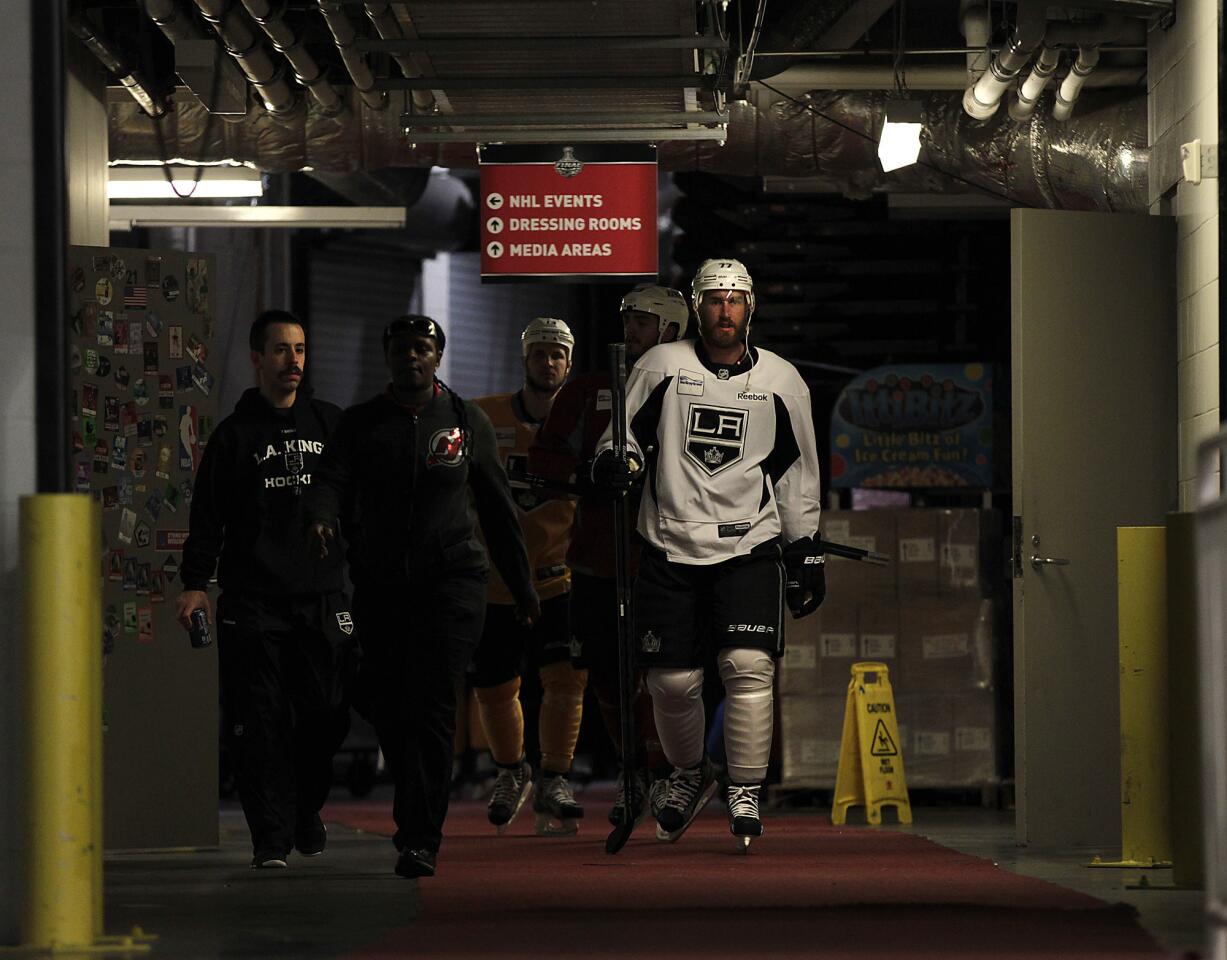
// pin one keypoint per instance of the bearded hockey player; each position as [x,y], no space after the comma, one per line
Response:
[723,434]
[545,646]
[564,448]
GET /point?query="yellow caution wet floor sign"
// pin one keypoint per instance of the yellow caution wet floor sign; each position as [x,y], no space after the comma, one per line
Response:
[870,761]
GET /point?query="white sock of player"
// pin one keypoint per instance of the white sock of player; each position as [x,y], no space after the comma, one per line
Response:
[747,676]
[677,703]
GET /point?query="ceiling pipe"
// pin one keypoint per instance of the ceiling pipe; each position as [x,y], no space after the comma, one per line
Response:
[343,36]
[389,28]
[169,18]
[1023,105]
[142,91]
[306,70]
[973,21]
[802,79]
[981,98]
[241,43]
[1071,86]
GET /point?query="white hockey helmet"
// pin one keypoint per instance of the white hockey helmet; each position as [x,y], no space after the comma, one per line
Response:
[664,303]
[547,330]
[722,275]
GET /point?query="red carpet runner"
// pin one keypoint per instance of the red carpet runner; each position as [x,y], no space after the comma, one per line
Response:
[805,889]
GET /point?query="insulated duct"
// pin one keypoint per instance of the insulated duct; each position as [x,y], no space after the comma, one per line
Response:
[1096,161]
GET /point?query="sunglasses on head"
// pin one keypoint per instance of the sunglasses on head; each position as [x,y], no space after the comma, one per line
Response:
[422,326]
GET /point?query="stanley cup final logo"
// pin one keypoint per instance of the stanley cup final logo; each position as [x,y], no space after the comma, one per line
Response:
[568,166]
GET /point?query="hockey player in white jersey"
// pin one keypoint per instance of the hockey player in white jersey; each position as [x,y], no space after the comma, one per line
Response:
[723,434]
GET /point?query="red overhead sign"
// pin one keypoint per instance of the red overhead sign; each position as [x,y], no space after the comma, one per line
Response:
[568,213]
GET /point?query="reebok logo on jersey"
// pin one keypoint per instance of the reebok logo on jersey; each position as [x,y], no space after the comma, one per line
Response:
[650,643]
[715,436]
[757,397]
[733,529]
[750,628]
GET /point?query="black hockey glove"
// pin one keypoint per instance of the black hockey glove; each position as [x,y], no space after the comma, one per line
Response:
[806,586]
[613,474]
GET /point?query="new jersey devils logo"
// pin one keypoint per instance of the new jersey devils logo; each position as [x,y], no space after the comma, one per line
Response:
[446,448]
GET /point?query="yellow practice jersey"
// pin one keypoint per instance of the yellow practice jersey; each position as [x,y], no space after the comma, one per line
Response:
[546,522]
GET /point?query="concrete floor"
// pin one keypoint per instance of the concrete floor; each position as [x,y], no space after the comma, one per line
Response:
[210,904]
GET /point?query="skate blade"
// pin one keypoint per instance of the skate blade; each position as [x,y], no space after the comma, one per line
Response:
[744,847]
[547,826]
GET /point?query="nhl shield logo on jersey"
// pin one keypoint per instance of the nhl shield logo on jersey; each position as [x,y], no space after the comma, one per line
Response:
[345,622]
[649,643]
[446,448]
[715,436]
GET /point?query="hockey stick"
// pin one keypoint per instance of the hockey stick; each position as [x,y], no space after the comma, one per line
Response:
[626,666]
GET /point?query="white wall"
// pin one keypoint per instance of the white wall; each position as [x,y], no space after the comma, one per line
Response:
[1183,88]
[17,427]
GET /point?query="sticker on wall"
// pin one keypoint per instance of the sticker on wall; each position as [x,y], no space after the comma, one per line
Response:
[197,277]
[153,325]
[157,586]
[122,377]
[119,453]
[144,431]
[170,497]
[185,488]
[89,399]
[159,427]
[91,361]
[139,463]
[165,540]
[170,289]
[153,271]
[125,489]
[141,538]
[104,365]
[202,379]
[89,319]
[77,279]
[118,268]
[154,505]
[102,454]
[145,625]
[89,432]
[142,579]
[183,377]
[121,336]
[130,567]
[151,356]
[127,418]
[101,263]
[82,478]
[78,442]
[110,628]
[77,322]
[127,525]
[162,471]
[130,616]
[204,429]
[197,349]
[171,569]
[106,328]
[103,291]
[115,566]
[110,498]
[189,451]
[166,392]
[136,339]
[110,414]
[140,391]
[174,342]
[74,358]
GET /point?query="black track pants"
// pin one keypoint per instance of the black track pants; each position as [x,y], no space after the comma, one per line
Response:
[417,643]
[283,664]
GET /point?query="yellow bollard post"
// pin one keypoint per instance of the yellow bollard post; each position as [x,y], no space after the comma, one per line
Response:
[60,562]
[1144,716]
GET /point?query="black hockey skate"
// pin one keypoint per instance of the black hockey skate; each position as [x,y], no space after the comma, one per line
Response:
[685,796]
[511,789]
[555,807]
[744,822]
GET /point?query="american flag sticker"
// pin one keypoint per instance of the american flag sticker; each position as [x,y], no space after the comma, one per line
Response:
[137,297]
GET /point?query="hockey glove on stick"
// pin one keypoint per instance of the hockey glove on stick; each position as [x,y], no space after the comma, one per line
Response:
[806,586]
[613,474]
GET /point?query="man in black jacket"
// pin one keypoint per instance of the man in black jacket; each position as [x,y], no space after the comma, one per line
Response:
[409,473]
[285,632]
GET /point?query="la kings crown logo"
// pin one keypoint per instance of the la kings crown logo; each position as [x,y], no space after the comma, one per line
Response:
[715,437]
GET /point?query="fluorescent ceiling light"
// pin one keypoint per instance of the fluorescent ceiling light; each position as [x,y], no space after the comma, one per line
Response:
[124,216]
[149,183]
[900,143]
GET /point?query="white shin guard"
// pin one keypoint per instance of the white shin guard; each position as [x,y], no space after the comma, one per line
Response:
[747,676]
[677,703]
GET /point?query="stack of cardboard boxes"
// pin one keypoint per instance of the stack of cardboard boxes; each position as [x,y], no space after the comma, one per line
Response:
[925,615]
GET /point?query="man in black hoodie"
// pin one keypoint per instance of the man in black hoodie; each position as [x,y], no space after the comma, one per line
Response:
[409,473]
[285,635]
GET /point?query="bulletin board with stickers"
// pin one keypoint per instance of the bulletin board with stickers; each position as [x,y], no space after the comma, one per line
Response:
[143,404]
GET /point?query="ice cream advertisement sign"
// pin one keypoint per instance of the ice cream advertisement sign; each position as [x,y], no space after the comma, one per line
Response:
[914,426]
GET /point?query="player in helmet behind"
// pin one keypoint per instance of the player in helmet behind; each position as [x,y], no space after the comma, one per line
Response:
[725,436]
[563,451]
[547,346]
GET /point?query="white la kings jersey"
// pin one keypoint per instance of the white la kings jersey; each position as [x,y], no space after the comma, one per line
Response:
[730,463]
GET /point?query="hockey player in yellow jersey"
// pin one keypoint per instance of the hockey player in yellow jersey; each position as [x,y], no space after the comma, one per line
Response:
[505,644]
